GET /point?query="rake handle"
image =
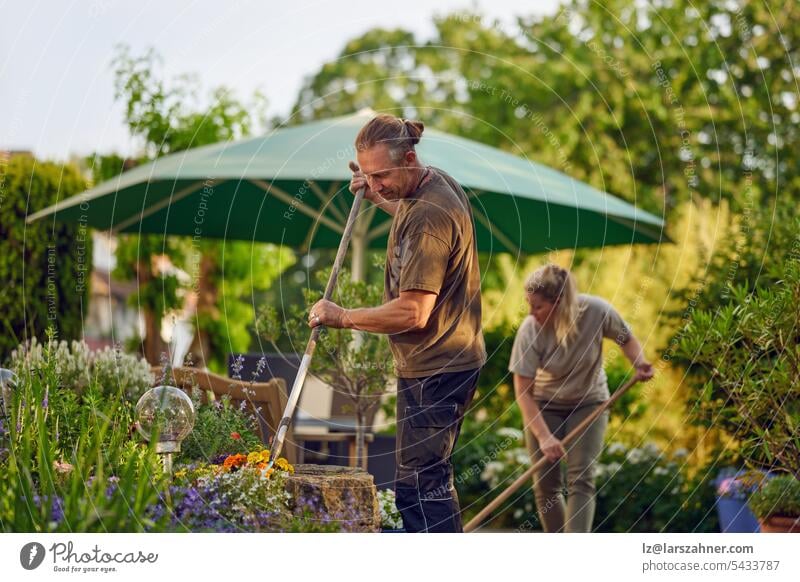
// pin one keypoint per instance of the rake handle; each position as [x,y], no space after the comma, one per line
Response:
[299,380]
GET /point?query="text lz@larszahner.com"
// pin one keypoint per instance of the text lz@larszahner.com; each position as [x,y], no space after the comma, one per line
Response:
[64,554]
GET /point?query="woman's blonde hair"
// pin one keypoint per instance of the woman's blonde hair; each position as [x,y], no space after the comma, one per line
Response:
[556,284]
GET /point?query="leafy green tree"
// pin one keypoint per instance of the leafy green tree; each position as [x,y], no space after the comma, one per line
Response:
[654,102]
[170,117]
[359,365]
[44,266]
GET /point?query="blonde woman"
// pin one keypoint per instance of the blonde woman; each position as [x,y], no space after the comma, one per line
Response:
[557,362]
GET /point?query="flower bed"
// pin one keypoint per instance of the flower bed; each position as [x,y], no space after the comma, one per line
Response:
[71,462]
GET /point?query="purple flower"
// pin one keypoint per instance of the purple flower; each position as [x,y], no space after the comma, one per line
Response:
[56,506]
[737,487]
[236,367]
[219,459]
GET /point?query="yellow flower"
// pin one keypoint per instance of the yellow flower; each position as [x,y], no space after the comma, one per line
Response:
[284,465]
[265,455]
[253,458]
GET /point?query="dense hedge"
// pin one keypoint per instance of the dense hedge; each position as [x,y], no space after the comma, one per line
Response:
[44,267]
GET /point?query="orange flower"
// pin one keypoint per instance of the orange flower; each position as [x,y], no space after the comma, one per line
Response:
[234,462]
[235,436]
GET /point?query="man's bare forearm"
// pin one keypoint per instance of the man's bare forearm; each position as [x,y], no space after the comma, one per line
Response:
[396,316]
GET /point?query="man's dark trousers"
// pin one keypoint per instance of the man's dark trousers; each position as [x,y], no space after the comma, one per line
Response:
[430,411]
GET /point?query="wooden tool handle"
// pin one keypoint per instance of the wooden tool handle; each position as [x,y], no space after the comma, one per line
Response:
[299,380]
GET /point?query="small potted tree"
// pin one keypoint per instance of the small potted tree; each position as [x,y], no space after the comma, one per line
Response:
[359,365]
[776,504]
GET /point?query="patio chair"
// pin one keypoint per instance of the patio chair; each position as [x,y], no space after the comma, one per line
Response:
[330,425]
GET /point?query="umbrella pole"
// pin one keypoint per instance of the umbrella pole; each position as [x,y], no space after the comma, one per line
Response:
[522,479]
[299,380]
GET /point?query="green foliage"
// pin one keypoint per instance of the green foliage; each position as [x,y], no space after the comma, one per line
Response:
[745,358]
[215,423]
[390,515]
[102,481]
[640,105]
[208,498]
[84,381]
[750,256]
[44,266]
[645,490]
[306,520]
[487,459]
[134,256]
[361,369]
[777,496]
[494,396]
[358,365]
[169,117]
[77,367]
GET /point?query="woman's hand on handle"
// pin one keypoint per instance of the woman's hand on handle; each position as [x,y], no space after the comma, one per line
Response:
[551,448]
[644,371]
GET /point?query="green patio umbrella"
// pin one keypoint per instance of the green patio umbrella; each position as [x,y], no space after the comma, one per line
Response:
[290,187]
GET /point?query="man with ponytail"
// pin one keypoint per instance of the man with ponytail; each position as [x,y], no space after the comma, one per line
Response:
[431,313]
[559,380]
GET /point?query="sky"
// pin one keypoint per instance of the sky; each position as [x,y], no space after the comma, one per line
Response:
[56,82]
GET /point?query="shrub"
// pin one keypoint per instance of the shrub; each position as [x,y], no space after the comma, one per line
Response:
[486,460]
[746,355]
[44,266]
[219,427]
[77,367]
[646,490]
[777,496]
[738,339]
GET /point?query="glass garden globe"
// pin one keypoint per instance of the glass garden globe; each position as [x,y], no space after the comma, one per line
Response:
[171,411]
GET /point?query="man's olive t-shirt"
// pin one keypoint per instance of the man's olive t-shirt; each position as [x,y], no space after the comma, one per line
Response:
[572,374]
[432,247]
